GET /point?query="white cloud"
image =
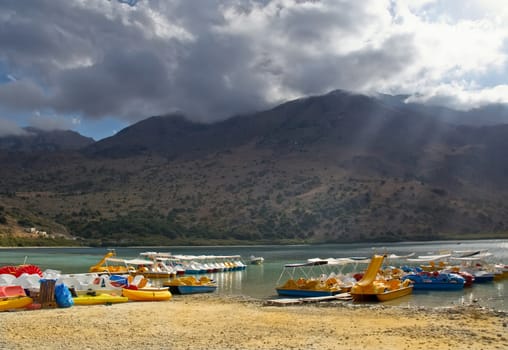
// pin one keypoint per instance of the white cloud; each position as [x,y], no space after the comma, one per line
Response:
[462,96]
[48,122]
[9,127]
[454,11]
[454,54]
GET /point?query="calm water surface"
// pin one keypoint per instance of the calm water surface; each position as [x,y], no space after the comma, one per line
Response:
[260,281]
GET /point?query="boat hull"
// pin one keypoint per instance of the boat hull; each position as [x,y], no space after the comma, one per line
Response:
[436,281]
[483,279]
[191,285]
[149,274]
[192,289]
[438,286]
[394,294]
[385,296]
[159,294]
[99,299]
[15,303]
[303,293]
[256,260]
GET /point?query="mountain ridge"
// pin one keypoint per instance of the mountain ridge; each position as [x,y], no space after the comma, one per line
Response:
[340,167]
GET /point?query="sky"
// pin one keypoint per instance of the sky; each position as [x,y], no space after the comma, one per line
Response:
[97,66]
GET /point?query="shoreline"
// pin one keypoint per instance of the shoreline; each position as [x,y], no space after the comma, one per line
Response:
[236,322]
[262,244]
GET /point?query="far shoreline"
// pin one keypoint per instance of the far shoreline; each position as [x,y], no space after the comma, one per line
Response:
[377,243]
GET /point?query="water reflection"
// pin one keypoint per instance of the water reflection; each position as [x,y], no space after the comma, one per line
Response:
[229,282]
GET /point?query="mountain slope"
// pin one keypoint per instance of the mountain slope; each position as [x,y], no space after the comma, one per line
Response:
[338,167]
[328,126]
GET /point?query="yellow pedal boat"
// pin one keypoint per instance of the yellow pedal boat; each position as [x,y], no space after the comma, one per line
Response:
[15,303]
[99,299]
[372,286]
[147,294]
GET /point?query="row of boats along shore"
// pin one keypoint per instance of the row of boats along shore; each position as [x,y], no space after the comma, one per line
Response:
[115,280]
[388,277]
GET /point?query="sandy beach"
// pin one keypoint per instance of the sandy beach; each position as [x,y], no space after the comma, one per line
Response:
[215,322]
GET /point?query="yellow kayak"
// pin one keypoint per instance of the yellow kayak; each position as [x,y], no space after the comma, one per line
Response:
[147,294]
[99,299]
[15,303]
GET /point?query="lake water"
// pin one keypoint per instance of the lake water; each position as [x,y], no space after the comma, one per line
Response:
[259,281]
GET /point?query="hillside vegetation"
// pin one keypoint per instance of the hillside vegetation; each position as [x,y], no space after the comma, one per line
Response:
[333,168]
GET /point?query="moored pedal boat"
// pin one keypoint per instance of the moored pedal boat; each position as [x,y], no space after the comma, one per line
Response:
[436,281]
[191,285]
[152,265]
[394,294]
[109,264]
[503,270]
[99,299]
[147,294]
[192,289]
[309,279]
[13,297]
[468,277]
[477,265]
[256,260]
[372,286]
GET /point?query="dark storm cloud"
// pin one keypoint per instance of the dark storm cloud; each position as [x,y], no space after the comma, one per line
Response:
[38,38]
[355,70]
[311,23]
[19,95]
[214,78]
[133,59]
[119,82]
